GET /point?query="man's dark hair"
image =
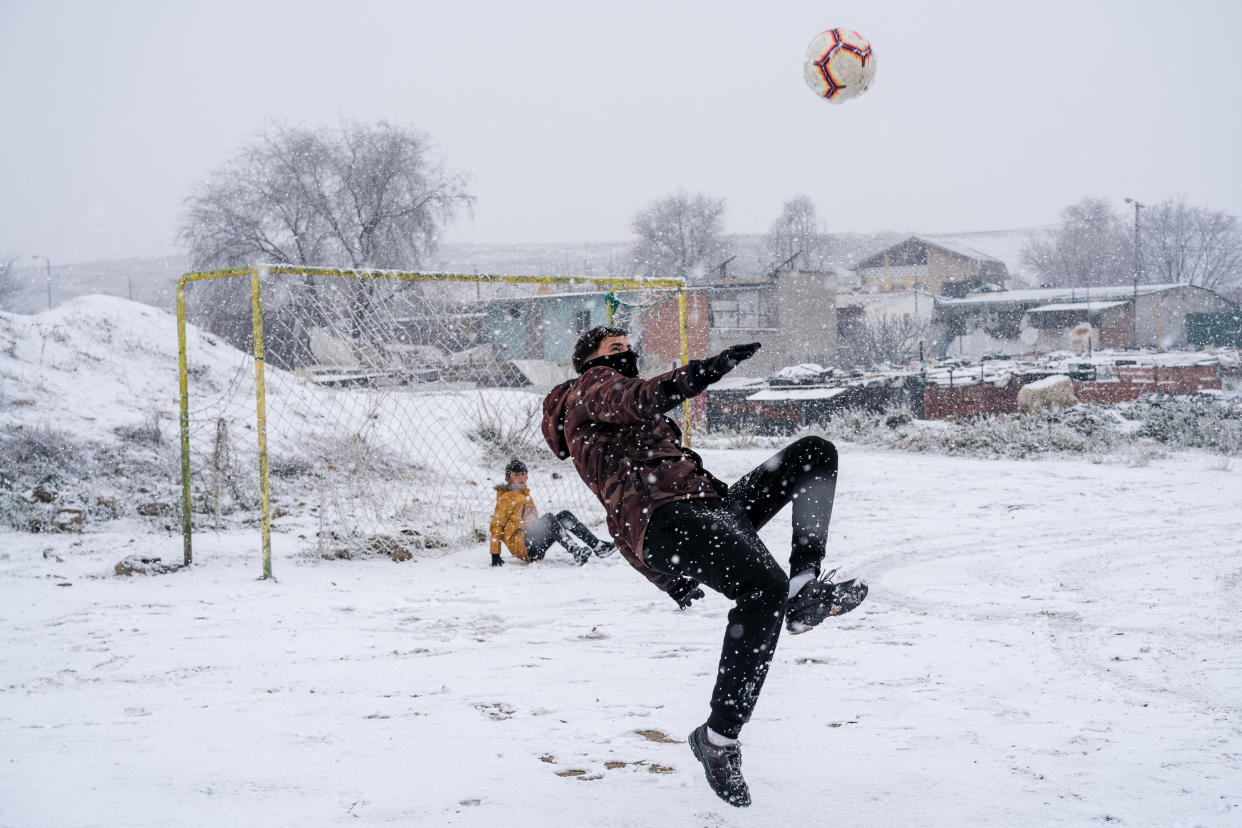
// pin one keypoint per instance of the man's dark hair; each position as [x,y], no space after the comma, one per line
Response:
[589,341]
[515,466]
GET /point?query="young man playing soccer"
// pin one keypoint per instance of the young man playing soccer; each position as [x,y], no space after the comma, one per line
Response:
[681,527]
[518,525]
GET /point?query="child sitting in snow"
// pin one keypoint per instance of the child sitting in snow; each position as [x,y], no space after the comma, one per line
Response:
[517,523]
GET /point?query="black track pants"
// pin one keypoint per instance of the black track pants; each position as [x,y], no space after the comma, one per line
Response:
[804,472]
[549,529]
[716,543]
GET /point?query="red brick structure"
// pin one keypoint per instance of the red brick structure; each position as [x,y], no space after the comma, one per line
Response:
[941,402]
[661,342]
[661,337]
[1132,381]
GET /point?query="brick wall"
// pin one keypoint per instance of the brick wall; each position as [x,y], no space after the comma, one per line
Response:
[941,402]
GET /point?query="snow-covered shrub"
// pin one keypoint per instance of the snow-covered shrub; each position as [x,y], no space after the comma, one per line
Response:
[43,471]
[898,418]
[1079,430]
[147,431]
[506,428]
[43,445]
[1192,422]
[742,438]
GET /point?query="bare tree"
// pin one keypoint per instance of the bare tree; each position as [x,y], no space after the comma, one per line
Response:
[679,235]
[1092,246]
[359,196]
[8,278]
[887,339]
[1193,245]
[797,232]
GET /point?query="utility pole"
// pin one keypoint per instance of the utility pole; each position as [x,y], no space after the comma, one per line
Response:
[1138,267]
[49,278]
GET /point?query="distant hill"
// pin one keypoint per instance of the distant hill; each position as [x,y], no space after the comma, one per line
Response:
[153,281]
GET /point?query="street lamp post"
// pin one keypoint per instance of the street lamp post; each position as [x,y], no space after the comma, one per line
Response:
[1138,266]
[49,278]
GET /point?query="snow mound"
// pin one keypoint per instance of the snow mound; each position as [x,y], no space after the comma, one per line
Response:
[98,363]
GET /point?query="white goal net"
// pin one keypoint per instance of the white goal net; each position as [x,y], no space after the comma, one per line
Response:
[374,412]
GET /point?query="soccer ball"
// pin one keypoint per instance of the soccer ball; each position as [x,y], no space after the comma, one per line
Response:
[839,65]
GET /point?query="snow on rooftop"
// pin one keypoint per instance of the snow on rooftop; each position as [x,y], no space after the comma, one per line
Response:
[1090,307]
[1060,294]
[733,381]
[1004,245]
[800,371]
[955,246]
[820,393]
[862,299]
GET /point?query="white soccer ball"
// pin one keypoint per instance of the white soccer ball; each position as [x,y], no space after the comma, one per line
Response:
[839,65]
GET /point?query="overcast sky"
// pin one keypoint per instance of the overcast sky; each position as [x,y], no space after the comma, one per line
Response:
[571,116]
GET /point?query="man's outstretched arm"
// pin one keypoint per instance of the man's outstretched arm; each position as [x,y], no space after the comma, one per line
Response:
[610,397]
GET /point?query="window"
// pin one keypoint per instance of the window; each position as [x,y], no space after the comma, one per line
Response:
[742,309]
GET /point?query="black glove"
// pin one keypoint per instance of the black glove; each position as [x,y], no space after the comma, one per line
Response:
[704,372]
[685,590]
[496,561]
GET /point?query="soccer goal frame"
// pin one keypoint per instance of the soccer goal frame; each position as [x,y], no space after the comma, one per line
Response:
[257,274]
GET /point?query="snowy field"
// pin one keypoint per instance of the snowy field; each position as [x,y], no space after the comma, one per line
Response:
[1048,642]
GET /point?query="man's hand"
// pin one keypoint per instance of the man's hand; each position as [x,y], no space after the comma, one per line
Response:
[736,353]
[685,590]
[712,369]
[496,561]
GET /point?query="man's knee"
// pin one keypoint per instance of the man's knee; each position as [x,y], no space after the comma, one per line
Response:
[769,587]
[564,515]
[812,453]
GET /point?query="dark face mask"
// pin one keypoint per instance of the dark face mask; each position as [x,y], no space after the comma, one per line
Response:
[624,363]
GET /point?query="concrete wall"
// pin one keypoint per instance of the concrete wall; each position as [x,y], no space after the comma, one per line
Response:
[876,306]
[1162,316]
[763,364]
[806,326]
[808,317]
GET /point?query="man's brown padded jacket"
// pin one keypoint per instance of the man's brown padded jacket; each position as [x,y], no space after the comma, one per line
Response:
[626,451]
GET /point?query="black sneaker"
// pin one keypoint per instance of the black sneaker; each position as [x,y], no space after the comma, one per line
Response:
[723,766]
[605,549]
[581,554]
[821,598]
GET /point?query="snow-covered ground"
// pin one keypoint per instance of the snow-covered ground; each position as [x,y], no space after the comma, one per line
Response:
[1046,643]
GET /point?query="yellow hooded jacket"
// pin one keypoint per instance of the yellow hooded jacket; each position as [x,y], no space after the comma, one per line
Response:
[515,510]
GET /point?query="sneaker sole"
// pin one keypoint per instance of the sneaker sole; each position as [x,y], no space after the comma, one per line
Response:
[799,627]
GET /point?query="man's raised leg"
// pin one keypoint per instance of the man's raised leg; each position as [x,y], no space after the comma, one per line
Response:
[804,473]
